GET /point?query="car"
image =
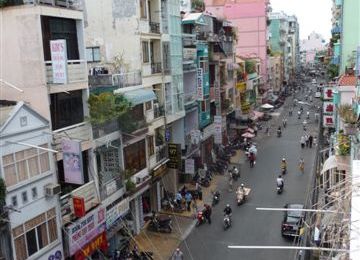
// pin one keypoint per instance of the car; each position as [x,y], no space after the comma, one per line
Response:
[293,220]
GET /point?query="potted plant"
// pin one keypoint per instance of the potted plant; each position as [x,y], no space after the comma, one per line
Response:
[130,185]
[343,144]
[349,117]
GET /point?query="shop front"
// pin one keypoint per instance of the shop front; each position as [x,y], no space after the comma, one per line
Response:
[117,228]
[87,235]
[161,183]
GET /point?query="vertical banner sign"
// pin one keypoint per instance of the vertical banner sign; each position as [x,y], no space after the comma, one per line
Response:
[59,61]
[217,129]
[200,88]
[328,108]
[174,156]
[72,161]
[189,166]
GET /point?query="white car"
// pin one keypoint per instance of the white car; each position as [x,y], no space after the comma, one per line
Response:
[318,94]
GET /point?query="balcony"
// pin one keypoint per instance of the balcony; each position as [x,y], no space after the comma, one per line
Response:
[156,68]
[105,129]
[71,4]
[336,29]
[159,112]
[189,39]
[189,66]
[114,183]
[116,80]
[154,27]
[190,98]
[81,131]
[76,71]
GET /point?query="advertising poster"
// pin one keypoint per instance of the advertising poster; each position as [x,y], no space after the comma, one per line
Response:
[72,160]
[200,89]
[174,156]
[189,166]
[59,61]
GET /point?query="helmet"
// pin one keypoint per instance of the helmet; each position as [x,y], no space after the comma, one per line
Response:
[280,176]
[283,159]
[242,185]
[227,205]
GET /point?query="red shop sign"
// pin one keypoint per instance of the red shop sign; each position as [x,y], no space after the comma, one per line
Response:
[98,242]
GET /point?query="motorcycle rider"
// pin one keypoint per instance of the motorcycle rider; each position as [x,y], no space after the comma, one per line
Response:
[299,114]
[279,131]
[280,182]
[283,165]
[227,210]
[307,114]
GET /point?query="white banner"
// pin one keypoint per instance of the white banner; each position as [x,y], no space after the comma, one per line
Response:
[116,212]
[328,93]
[72,161]
[200,87]
[59,61]
[190,166]
[328,107]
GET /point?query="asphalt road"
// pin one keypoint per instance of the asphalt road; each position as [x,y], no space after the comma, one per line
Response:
[250,226]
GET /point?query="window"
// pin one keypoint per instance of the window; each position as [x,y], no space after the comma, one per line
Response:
[145,51]
[143,13]
[203,106]
[66,109]
[34,193]
[14,201]
[93,54]
[24,197]
[150,143]
[148,105]
[35,234]
[203,63]
[25,164]
[135,156]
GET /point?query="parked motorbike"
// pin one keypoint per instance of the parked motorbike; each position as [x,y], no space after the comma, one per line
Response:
[216,198]
[200,218]
[227,221]
[160,224]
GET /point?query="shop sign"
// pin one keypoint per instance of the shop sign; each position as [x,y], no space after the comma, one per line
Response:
[160,171]
[195,136]
[88,192]
[329,121]
[189,53]
[86,229]
[241,87]
[217,92]
[200,88]
[190,166]
[72,161]
[59,61]
[111,187]
[79,206]
[116,212]
[328,93]
[328,107]
[218,121]
[174,156]
[98,242]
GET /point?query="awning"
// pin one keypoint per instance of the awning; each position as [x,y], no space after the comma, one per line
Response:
[342,163]
[194,18]
[139,96]
[254,115]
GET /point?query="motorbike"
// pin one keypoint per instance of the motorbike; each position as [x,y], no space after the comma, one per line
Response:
[299,115]
[284,124]
[235,174]
[279,189]
[307,115]
[278,133]
[200,218]
[216,198]
[227,221]
[283,171]
[160,224]
[241,195]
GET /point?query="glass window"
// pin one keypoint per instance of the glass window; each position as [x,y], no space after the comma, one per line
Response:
[20,248]
[143,13]
[34,193]
[93,54]
[145,52]
[52,230]
[135,156]
[24,197]
[31,242]
[42,235]
[150,142]
[203,106]
[14,201]
[148,105]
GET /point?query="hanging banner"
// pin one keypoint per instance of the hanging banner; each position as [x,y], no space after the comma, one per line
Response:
[200,88]
[218,129]
[174,151]
[72,160]
[116,212]
[190,166]
[328,93]
[59,61]
[329,121]
[328,107]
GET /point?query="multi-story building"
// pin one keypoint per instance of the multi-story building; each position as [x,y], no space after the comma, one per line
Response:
[32,190]
[250,18]
[310,46]
[336,31]
[145,69]
[275,69]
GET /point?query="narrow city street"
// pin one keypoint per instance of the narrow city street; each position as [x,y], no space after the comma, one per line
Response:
[250,226]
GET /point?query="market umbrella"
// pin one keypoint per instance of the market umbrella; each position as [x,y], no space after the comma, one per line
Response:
[267,106]
[250,130]
[248,135]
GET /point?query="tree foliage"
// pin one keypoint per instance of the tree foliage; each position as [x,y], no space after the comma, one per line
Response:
[2,193]
[333,71]
[250,66]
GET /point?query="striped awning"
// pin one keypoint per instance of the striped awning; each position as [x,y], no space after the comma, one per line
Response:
[139,96]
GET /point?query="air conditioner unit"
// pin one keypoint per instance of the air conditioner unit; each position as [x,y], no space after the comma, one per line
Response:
[52,189]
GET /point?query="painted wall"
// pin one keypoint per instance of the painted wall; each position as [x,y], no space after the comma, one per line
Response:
[351,31]
[249,16]
[275,35]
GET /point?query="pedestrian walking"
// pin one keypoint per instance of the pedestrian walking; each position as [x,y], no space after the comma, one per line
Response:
[307,140]
[302,141]
[178,198]
[301,165]
[311,139]
[178,255]
[188,199]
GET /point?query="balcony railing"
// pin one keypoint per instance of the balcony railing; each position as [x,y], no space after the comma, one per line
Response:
[123,80]
[161,153]
[189,67]
[159,111]
[156,68]
[80,131]
[189,39]
[105,129]
[114,183]
[154,27]
[76,71]
[71,4]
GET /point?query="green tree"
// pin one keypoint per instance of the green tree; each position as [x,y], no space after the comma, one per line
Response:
[250,66]
[333,71]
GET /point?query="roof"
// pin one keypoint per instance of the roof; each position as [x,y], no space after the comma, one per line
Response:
[196,18]
[347,80]
[5,113]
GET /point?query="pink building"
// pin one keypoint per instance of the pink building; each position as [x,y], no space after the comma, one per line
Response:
[250,18]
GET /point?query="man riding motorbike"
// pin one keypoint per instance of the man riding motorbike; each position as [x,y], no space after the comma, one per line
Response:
[283,166]
[227,210]
[280,183]
[279,131]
